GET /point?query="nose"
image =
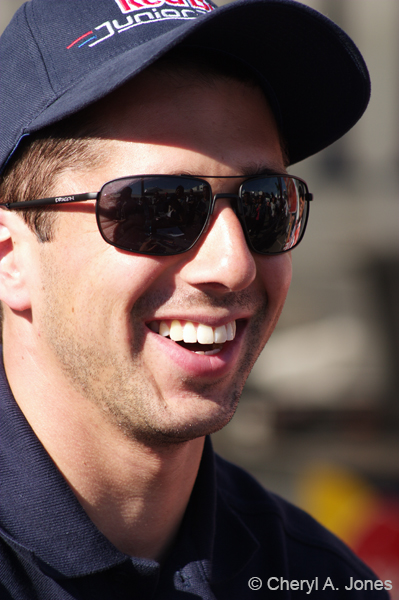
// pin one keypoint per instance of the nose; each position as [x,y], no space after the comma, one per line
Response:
[221,259]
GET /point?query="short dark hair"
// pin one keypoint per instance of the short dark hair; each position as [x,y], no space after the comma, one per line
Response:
[39,159]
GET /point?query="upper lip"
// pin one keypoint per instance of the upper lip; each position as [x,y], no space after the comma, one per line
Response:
[211,321]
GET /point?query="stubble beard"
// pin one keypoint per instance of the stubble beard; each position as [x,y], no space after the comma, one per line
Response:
[118,385]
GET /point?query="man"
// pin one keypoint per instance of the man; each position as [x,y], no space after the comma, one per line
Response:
[128,336]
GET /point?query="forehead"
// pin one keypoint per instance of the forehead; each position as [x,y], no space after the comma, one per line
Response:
[227,120]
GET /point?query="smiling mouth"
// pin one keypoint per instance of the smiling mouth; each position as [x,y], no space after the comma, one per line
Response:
[197,337]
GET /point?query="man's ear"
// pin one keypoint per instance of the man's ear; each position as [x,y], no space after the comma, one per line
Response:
[14,291]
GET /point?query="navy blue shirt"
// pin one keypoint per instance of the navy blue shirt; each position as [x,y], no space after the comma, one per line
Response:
[233,531]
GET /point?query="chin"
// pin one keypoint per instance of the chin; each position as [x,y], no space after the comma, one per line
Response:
[204,420]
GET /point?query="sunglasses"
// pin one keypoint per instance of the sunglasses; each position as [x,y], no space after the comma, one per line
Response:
[164,215]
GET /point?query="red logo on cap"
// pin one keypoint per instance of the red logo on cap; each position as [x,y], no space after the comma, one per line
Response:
[184,10]
[128,6]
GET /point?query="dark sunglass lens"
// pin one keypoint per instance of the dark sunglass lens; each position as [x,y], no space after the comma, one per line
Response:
[275,213]
[159,215]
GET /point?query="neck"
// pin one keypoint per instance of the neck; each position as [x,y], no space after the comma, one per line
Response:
[134,493]
[137,498]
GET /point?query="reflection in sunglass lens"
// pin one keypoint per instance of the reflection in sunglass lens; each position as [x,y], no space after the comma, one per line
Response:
[161,215]
[275,213]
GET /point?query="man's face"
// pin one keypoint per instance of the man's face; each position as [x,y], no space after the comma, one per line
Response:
[97,308]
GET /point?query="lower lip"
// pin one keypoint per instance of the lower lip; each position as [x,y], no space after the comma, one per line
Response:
[201,365]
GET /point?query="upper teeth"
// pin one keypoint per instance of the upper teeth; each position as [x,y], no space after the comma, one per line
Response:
[190,332]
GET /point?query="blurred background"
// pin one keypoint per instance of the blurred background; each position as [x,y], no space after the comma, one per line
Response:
[319,418]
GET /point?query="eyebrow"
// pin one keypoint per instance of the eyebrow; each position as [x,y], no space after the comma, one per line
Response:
[248,170]
[261,169]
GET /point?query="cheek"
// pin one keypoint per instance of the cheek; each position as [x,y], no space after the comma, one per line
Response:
[275,273]
[96,284]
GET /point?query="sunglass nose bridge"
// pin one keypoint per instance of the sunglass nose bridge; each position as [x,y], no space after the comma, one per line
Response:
[235,202]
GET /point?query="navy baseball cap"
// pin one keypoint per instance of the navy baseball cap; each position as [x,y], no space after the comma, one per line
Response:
[59,56]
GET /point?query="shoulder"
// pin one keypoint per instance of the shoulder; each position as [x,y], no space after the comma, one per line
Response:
[293,544]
